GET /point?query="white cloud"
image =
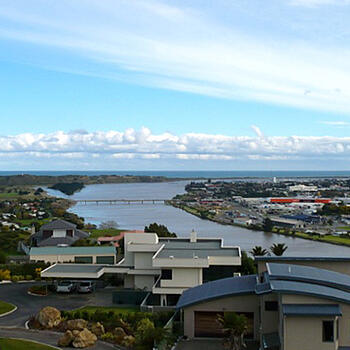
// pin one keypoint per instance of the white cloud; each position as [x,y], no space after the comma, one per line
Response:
[315,3]
[143,144]
[339,123]
[193,50]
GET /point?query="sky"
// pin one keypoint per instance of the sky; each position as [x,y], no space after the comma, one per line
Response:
[174,85]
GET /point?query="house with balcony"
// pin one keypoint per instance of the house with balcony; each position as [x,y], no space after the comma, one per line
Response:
[162,267]
[57,232]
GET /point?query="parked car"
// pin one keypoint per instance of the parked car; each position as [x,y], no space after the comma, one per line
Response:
[86,287]
[65,287]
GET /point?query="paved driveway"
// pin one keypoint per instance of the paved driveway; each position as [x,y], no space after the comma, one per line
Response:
[29,305]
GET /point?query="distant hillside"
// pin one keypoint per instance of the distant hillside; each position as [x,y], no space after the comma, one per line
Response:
[68,188]
[26,179]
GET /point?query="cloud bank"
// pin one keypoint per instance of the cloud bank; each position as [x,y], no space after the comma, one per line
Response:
[143,144]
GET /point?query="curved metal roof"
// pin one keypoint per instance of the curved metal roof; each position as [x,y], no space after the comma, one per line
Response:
[309,275]
[315,290]
[218,289]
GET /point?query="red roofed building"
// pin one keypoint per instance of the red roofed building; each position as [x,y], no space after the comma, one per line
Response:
[114,240]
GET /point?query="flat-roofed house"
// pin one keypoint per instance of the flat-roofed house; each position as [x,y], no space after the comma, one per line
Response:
[85,255]
[288,307]
[165,267]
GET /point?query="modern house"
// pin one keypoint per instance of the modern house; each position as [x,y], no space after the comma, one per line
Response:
[57,232]
[287,306]
[82,255]
[164,267]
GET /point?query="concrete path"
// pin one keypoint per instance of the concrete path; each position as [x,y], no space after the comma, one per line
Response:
[46,337]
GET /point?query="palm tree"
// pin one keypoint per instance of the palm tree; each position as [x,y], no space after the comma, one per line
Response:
[258,251]
[234,327]
[278,249]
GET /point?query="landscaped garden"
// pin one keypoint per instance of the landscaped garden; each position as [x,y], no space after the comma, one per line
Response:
[126,327]
[5,307]
[16,344]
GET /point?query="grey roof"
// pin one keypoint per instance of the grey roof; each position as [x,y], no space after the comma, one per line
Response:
[75,268]
[302,258]
[308,274]
[311,310]
[319,291]
[218,289]
[54,241]
[59,225]
[200,253]
[207,244]
[72,250]
[202,248]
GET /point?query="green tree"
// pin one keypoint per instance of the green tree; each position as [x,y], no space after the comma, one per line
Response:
[258,251]
[234,327]
[267,225]
[160,230]
[247,265]
[147,335]
[278,249]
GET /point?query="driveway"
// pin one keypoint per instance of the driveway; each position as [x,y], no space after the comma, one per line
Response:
[46,337]
[208,344]
[29,305]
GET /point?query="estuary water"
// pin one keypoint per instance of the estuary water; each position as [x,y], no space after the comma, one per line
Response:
[137,216]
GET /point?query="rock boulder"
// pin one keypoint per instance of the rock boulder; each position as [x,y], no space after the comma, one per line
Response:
[78,324]
[66,339]
[97,329]
[84,339]
[49,317]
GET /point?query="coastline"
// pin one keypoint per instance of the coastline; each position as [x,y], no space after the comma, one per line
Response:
[301,235]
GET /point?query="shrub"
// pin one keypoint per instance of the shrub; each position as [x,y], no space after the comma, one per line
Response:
[29,277]
[15,278]
[5,275]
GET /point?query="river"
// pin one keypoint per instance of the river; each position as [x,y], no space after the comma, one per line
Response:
[137,216]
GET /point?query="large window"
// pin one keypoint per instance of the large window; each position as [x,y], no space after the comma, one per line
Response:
[167,275]
[271,305]
[107,260]
[328,331]
[83,259]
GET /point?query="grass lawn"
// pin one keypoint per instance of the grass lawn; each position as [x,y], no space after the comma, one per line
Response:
[105,232]
[16,344]
[5,307]
[117,310]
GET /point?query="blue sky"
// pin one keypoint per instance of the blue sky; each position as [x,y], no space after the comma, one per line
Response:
[157,84]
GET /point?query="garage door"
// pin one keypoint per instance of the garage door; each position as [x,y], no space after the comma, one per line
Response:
[206,324]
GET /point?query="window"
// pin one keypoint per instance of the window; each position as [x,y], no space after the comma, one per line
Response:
[107,260]
[271,305]
[83,259]
[328,331]
[167,275]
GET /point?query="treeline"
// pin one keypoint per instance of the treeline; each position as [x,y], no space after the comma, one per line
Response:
[68,188]
[333,209]
[26,179]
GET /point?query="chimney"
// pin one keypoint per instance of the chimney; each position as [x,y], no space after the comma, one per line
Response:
[193,238]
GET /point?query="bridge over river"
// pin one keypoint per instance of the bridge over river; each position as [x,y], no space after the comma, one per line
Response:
[121,201]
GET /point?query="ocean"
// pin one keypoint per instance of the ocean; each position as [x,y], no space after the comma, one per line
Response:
[193,173]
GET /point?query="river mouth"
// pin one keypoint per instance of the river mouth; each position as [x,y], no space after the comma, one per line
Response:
[135,216]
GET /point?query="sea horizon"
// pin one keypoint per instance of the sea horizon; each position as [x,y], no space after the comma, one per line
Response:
[188,174]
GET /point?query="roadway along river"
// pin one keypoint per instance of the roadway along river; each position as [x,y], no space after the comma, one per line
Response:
[136,216]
